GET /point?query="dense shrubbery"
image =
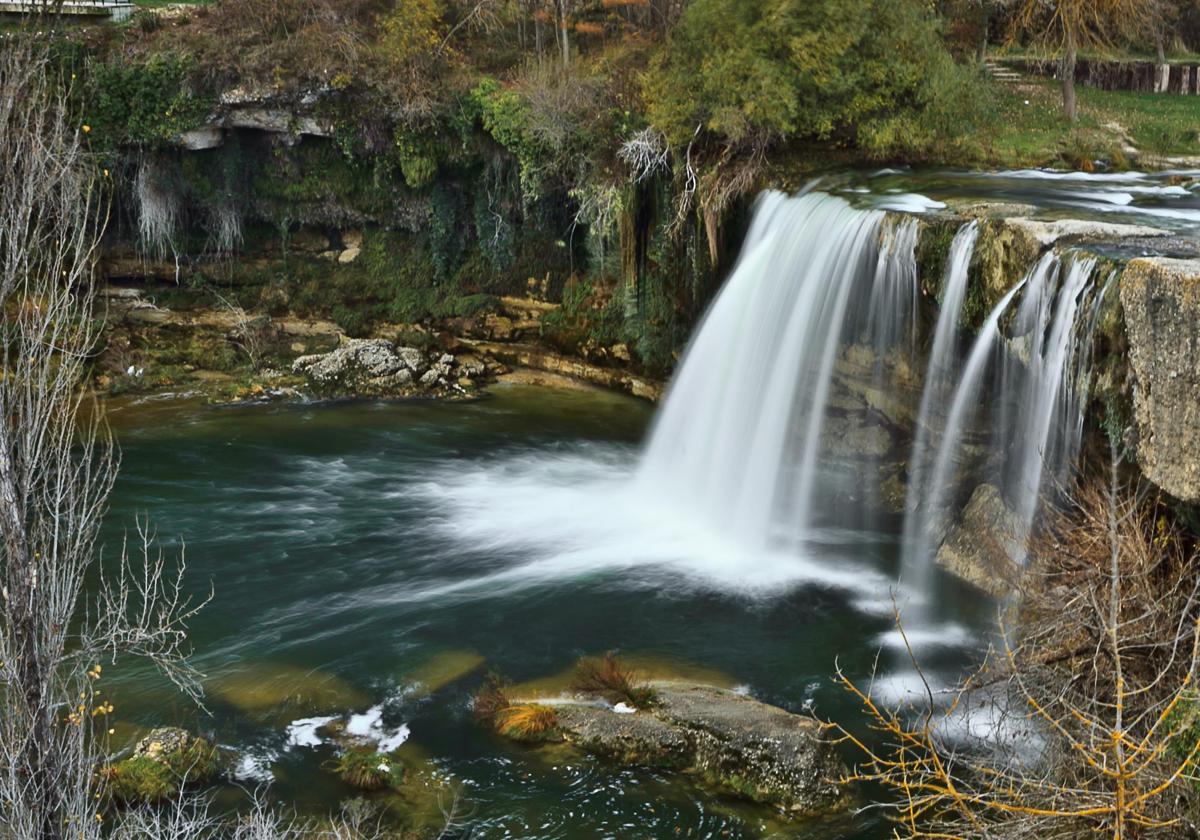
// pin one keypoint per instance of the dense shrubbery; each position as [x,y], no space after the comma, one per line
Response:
[873,72]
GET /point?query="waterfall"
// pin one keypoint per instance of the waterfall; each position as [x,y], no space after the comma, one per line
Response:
[929,512]
[1035,427]
[940,377]
[738,439]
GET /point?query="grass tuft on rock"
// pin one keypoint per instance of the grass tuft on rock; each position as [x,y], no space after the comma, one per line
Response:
[369,770]
[610,678]
[526,722]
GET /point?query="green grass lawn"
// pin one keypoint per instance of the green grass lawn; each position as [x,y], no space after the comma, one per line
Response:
[1028,127]
[1160,124]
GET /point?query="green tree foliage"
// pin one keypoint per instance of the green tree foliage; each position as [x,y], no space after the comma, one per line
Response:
[763,70]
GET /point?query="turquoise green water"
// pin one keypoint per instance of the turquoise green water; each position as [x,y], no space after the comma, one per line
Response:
[356,549]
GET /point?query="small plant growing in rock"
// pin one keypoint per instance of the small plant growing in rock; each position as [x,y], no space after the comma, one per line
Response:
[526,722]
[491,699]
[613,680]
[369,770]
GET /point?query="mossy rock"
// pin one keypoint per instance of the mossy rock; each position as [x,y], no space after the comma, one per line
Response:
[646,666]
[161,764]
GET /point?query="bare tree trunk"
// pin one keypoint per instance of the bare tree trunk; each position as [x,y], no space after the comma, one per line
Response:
[985,21]
[563,11]
[1160,46]
[1069,60]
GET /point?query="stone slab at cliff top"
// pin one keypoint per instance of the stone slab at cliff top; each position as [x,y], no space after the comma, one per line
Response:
[1161,300]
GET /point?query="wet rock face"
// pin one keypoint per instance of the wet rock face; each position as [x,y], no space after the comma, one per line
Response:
[980,548]
[1161,301]
[749,748]
[1008,247]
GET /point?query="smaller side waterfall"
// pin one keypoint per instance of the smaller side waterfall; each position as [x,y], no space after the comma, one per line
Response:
[891,319]
[1024,431]
[941,374]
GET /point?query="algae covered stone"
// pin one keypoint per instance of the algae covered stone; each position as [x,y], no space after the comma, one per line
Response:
[279,692]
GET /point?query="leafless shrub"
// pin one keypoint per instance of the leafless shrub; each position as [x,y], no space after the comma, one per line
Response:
[186,817]
[559,103]
[249,333]
[599,206]
[1101,671]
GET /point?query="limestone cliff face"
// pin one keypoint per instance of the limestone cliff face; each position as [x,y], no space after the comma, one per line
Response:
[1161,301]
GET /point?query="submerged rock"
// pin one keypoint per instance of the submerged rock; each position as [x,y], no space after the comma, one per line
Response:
[443,669]
[745,747]
[281,692]
[981,547]
[1161,301]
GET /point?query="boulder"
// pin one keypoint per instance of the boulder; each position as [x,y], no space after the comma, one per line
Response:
[1161,301]
[640,739]
[729,740]
[981,547]
[413,359]
[359,367]
[162,743]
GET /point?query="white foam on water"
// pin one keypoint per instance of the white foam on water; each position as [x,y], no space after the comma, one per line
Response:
[304,732]
[907,203]
[255,766]
[923,638]
[368,726]
[1062,175]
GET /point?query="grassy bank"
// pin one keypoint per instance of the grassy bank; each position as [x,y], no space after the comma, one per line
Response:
[1029,128]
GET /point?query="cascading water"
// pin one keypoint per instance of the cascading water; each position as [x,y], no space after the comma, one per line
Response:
[738,440]
[1034,430]
[940,378]
[787,424]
